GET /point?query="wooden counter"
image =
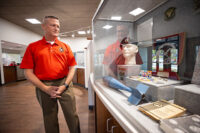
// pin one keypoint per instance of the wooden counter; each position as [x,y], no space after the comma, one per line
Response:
[81,76]
[10,74]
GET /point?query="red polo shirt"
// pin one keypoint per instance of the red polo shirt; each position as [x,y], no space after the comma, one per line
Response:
[48,61]
[112,52]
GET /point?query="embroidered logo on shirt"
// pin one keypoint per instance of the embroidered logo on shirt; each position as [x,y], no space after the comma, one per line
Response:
[61,49]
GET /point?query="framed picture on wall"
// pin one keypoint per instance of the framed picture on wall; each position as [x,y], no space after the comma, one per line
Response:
[169,54]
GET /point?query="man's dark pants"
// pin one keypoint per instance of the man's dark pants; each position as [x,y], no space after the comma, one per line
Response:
[50,108]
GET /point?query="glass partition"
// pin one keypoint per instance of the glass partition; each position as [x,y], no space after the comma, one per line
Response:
[164,38]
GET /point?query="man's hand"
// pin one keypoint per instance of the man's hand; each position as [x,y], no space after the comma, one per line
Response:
[60,90]
[55,91]
[52,90]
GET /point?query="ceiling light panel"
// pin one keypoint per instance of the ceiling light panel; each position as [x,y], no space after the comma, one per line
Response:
[88,31]
[137,11]
[107,27]
[33,21]
[116,18]
[81,32]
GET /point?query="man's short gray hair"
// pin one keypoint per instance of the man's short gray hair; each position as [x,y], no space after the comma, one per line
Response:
[46,17]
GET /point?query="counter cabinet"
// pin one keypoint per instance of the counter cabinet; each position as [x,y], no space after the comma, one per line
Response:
[10,74]
[13,74]
[105,122]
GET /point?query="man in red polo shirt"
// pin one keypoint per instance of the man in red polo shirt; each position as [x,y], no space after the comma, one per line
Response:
[113,55]
[49,65]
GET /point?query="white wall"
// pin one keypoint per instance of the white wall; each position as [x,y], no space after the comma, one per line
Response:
[13,33]
[76,43]
[88,70]
[144,30]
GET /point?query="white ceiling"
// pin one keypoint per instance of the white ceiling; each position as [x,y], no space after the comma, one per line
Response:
[123,7]
[73,14]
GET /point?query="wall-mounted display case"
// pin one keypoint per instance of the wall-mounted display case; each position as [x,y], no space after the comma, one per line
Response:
[167,34]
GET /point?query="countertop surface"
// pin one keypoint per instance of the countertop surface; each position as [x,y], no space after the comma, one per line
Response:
[128,115]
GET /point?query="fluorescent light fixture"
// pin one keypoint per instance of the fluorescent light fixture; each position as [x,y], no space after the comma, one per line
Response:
[73,35]
[116,18]
[88,31]
[81,32]
[137,11]
[107,27]
[33,21]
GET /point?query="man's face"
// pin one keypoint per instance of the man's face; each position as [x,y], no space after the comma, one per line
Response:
[51,27]
[122,32]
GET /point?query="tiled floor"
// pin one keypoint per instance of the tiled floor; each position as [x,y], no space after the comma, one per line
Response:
[21,113]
